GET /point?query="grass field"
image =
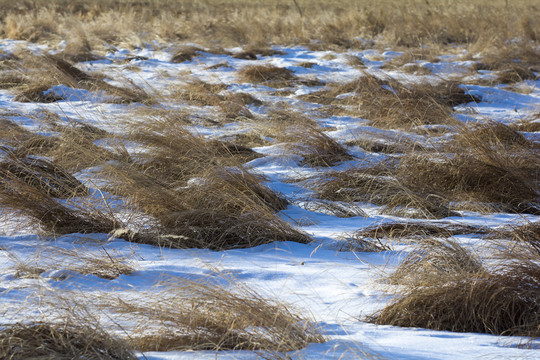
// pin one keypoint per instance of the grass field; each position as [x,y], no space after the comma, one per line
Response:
[269,179]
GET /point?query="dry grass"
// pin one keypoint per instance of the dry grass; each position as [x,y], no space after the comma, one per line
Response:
[186,53]
[67,340]
[357,242]
[400,230]
[491,164]
[316,147]
[378,185]
[221,209]
[45,71]
[187,315]
[266,74]
[390,104]
[512,62]
[86,262]
[435,262]
[232,105]
[34,189]
[241,22]
[484,168]
[446,288]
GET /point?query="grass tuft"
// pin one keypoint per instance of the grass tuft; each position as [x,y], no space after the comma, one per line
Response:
[42,340]
[266,74]
[188,315]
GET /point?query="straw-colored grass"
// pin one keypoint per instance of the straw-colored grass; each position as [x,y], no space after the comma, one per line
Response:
[66,340]
[390,104]
[187,315]
[447,288]
[316,147]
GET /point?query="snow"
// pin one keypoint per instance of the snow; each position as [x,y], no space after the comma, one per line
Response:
[336,288]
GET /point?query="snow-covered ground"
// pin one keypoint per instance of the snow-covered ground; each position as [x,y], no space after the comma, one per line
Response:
[336,288]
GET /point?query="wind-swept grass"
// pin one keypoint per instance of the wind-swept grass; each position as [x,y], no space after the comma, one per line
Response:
[43,72]
[316,147]
[67,340]
[187,315]
[485,168]
[390,104]
[447,288]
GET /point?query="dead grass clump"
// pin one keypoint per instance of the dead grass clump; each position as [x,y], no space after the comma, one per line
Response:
[220,209]
[495,134]
[50,198]
[527,233]
[317,148]
[387,146]
[493,304]
[11,80]
[266,74]
[37,93]
[43,175]
[46,71]
[447,289]
[99,263]
[504,183]
[204,316]
[186,53]
[435,260]
[41,340]
[201,93]
[334,208]
[379,186]
[243,99]
[512,62]
[528,125]
[174,154]
[490,164]
[12,132]
[401,230]
[388,103]
[357,242]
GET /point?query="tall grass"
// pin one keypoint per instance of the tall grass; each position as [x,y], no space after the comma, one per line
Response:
[241,22]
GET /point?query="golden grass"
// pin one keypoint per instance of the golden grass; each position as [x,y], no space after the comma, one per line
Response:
[317,148]
[401,230]
[66,340]
[187,315]
[484,168]
[333,24]
[100,263]
[266,74]
[34,189]
[45,71]
[390,104]
[447,288]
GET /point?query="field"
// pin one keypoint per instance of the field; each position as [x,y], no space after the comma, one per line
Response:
[269,179]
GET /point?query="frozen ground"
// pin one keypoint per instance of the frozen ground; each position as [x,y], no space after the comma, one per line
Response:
[336,288]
